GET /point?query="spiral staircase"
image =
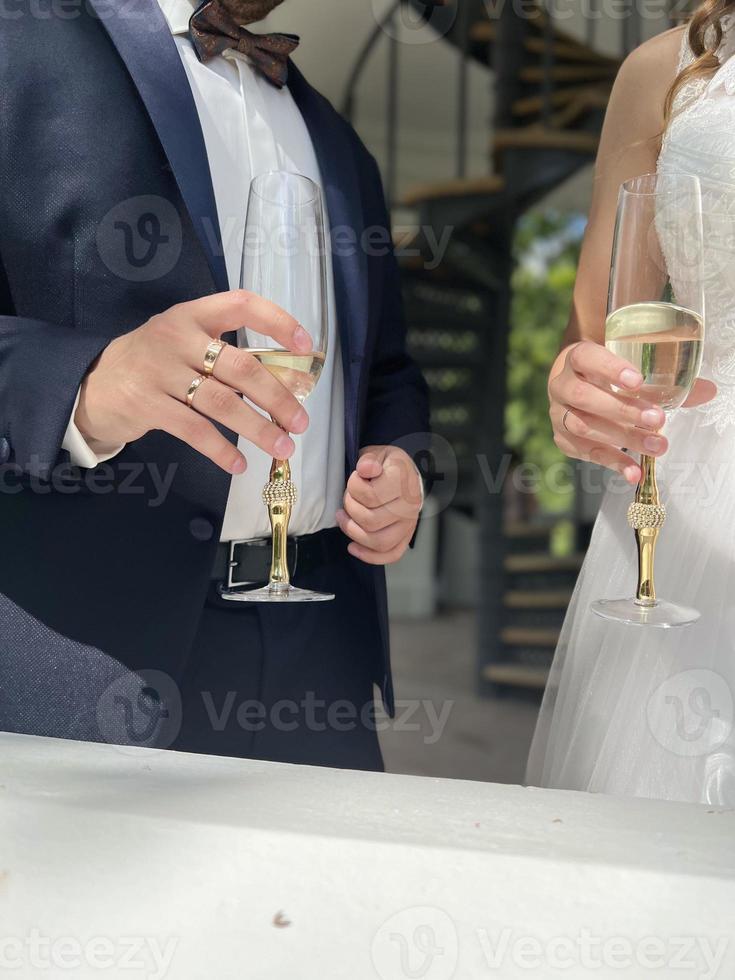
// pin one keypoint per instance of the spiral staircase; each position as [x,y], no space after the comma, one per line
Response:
[550,94]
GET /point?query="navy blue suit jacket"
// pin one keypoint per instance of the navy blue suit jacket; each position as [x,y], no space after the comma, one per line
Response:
[99,133]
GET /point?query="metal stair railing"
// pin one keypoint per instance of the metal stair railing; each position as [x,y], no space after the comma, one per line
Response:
[388,28]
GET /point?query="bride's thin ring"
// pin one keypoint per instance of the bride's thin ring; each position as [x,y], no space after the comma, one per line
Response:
[211,354]
[564,421]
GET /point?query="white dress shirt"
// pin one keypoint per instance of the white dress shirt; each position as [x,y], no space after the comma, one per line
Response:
[250,127]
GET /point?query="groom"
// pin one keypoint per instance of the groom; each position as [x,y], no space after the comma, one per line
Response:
[131,469]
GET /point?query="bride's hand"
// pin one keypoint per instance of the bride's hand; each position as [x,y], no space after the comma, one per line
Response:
[592,422]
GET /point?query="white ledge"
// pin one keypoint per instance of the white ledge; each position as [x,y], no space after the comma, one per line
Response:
[199,867]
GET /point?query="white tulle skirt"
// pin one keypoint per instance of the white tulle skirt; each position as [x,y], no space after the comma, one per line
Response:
[636,711]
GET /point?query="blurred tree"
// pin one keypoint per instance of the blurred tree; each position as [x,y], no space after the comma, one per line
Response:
[546,252]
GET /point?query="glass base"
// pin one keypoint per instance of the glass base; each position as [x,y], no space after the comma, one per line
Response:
[267,594]
[660,614]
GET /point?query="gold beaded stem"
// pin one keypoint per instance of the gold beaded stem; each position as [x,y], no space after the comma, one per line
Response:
[279,496]
[646,516]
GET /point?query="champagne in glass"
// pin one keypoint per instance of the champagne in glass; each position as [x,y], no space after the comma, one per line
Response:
[297,372]
[664,342]
[284,260]
[656,322]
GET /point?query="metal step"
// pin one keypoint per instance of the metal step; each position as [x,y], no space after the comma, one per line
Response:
[523,537]
[440,189]
[539,137]
[544,608]
[537,74]
[530,637]
[543,563]
[563,46]
[516,675]
[530,105]
[541,572]
[548,599]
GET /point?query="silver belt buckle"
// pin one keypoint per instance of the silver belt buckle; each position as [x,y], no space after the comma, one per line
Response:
[232,563]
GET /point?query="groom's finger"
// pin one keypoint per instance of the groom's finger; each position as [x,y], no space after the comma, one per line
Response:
[382,541]
[377,518]
[373,493]
[370,557]
[369,466]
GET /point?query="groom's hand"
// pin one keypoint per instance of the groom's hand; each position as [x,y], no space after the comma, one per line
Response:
[140,382]
[381,505]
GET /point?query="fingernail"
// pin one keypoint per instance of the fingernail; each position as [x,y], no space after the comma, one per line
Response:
[631,378]
[284,446]
[301,339]
[652,418]
[653,444]
[341,515]
[631,474]
[300,421]
[239,466]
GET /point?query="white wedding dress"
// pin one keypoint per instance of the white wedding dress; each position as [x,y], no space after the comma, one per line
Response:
[648,712]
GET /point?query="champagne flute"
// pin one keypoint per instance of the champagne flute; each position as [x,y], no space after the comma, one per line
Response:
[656,321]
[284,260]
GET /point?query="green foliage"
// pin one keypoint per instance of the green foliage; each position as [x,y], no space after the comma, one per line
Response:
[546,252]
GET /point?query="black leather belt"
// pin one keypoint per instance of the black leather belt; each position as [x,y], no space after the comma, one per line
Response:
[248,563]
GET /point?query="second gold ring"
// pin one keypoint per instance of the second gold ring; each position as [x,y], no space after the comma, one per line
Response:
[194,388]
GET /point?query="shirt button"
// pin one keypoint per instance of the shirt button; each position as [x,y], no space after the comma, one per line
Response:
[201,529]
[4,450]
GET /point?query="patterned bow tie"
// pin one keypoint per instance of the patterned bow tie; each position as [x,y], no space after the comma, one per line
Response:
[213,30]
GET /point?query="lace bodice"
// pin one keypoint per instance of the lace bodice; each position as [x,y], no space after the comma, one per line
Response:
[701,140]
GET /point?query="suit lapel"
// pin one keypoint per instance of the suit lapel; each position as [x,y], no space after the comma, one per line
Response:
[336,160]
[143,40]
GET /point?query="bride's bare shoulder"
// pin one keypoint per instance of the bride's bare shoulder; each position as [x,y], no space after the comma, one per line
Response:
[643,82]
[656,61]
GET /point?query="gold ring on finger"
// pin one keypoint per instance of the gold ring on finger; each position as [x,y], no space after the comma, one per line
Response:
[211,354]
[564,421]
[194,388]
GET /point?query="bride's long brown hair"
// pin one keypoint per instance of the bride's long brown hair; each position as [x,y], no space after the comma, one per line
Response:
[705,37]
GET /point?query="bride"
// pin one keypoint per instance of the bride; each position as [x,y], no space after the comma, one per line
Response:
[629,710]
